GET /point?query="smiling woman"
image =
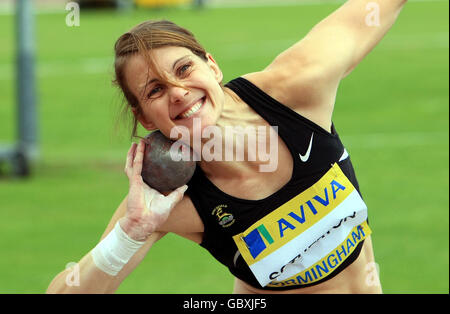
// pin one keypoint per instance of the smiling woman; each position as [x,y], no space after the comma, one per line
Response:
[153,89]
[301,227]
[137,43]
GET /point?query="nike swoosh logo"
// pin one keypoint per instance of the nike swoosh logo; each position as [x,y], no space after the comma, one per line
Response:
[344,155]
[305,157]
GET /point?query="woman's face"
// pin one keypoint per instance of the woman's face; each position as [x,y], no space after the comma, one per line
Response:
[165,106]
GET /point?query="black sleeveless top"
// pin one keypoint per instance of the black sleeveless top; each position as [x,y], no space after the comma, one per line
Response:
[225,216]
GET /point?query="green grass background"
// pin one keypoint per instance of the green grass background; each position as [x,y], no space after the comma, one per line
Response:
[391,112]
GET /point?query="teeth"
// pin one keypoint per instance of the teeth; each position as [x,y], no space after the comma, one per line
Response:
[193,109]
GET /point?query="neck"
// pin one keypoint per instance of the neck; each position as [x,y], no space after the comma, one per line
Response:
[237,151]
[240,144]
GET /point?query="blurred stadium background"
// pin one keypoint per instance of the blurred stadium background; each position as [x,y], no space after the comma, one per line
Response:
[391,112]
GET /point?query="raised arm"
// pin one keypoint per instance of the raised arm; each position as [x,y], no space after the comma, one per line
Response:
[306,76]
[339,42]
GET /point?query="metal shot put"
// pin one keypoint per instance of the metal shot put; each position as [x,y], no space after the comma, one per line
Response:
[161,169]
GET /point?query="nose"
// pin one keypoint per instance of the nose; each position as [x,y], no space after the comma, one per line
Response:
[177,94]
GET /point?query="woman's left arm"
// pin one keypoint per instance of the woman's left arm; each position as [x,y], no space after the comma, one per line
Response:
[335,46]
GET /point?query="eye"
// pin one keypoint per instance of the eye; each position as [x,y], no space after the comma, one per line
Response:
[155,91]
[183,70]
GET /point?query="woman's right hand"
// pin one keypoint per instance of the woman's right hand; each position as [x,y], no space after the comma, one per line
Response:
[147,209]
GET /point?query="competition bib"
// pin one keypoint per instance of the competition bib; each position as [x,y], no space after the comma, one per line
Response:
[307,237]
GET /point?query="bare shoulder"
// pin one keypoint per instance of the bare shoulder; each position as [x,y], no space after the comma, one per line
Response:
[294,91]
[305,90]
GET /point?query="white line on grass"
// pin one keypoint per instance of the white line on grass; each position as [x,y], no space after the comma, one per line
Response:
[9,9]
[240,51]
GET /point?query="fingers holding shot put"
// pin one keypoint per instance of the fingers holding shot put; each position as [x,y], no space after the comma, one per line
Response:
[147,208]
[133,165]
[129,161]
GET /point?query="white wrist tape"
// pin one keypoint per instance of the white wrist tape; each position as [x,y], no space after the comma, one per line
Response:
[114,251]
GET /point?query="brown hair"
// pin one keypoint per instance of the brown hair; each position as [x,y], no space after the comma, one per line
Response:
[140,40]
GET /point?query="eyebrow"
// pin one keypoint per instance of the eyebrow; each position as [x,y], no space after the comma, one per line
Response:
[178,60]
[144,87]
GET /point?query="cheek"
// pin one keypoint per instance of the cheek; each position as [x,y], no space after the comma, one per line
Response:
[155,110]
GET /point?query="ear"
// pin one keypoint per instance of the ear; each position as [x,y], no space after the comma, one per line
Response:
[148,125]
[214,67]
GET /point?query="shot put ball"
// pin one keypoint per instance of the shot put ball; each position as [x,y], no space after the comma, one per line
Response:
[160,170]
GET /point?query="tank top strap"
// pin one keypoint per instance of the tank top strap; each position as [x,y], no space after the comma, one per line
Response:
[274,112]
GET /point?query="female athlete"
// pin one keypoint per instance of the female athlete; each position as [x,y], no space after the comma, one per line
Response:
[300,226]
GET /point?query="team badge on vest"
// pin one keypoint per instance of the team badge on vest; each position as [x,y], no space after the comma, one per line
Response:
[225,219]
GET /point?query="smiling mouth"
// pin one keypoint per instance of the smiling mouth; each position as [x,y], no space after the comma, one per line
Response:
[192,110]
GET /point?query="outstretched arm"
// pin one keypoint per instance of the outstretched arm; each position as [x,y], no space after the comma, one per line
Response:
[306,76]
[339,42]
